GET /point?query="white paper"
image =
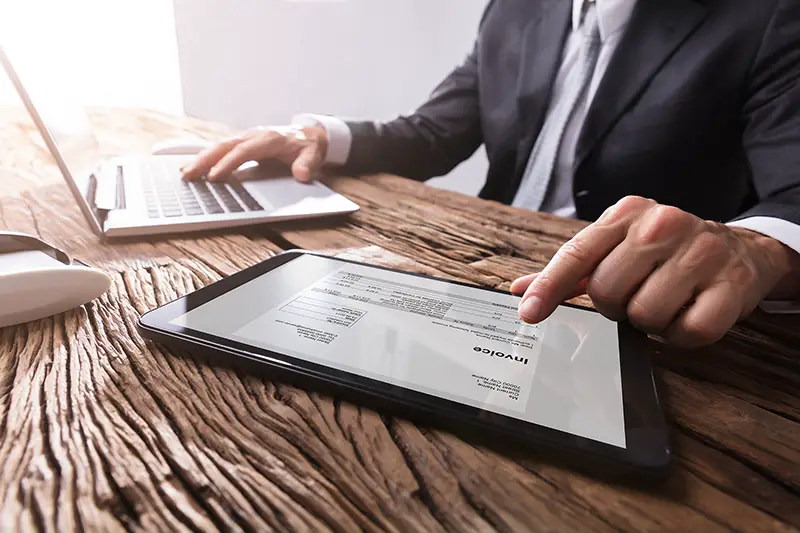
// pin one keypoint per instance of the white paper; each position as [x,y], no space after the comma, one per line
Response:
[356,318]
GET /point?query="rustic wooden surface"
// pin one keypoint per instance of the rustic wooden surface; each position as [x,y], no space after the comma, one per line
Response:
[101,431]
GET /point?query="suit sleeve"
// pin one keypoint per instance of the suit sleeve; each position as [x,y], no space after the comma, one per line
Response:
[431,141]
[772,118]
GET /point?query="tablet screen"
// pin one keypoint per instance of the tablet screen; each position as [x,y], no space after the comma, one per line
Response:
[459,343]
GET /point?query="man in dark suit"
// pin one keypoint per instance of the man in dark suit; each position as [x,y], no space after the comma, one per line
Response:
[673,125]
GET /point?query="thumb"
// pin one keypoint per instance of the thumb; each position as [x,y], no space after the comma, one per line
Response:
[307,163]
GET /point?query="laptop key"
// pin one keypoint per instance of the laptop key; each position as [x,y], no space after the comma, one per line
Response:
[178,198]
[227,199]
[208,202]
[234,207]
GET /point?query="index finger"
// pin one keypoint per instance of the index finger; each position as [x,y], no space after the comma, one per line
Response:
[573,262]
[208,158]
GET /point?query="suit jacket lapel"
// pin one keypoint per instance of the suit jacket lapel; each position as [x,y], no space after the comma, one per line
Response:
[656,29]
[542,46]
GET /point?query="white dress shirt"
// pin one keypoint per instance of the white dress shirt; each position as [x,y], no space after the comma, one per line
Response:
[613,17]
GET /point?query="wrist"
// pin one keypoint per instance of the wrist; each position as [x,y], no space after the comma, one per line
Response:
[788,288]
[781,264]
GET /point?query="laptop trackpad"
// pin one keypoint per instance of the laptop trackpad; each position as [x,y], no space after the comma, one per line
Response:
[281,193]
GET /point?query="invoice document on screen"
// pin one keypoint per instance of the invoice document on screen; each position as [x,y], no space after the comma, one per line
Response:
[444,339]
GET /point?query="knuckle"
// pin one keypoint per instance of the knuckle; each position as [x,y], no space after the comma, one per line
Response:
[700,332]
[622,209]
[607,300]
[574,250]
[600,291]
[669,214]
[633,203]
[642,315]
[271,136]
[663,223]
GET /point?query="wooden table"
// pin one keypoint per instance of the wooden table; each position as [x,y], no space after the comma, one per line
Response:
[101,431]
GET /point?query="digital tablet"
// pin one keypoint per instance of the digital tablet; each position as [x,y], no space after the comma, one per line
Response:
[444,353]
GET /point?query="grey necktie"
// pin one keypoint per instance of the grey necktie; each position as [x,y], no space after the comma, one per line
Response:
[544,155]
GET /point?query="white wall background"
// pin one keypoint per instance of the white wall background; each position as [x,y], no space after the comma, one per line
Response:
[255,62]
[97,52]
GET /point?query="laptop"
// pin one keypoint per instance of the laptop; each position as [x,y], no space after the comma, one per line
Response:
[145,195]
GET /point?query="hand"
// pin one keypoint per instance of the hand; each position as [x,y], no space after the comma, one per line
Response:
[666,271]
[304,150]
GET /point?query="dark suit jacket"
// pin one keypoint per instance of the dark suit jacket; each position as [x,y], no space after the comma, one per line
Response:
[699,109]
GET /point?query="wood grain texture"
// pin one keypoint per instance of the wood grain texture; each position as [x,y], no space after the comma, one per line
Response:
[102,431]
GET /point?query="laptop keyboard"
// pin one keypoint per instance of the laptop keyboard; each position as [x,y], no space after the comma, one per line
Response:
[169,196]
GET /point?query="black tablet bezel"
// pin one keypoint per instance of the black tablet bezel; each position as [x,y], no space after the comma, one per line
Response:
[647,448]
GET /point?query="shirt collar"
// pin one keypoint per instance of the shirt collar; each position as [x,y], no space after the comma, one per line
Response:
[612,15]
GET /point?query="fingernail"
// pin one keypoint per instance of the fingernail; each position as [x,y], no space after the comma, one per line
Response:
[213,173]
[529,308]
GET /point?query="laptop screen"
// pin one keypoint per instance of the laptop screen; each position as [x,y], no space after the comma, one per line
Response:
[63,126]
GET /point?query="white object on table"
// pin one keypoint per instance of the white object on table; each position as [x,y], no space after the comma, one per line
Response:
[36,282]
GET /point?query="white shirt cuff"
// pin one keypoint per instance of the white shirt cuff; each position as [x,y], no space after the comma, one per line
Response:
[785,232]
[339,136]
